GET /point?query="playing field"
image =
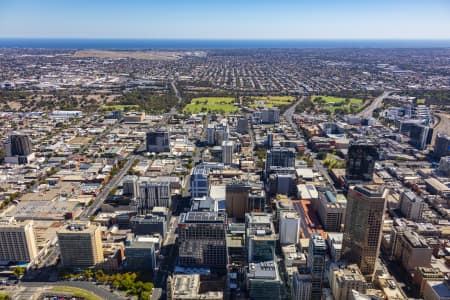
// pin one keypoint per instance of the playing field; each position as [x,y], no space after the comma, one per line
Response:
[334,104]
[223,105]
[270,101]
[76,292]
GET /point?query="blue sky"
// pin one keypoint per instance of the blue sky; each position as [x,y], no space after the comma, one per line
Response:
[230,19]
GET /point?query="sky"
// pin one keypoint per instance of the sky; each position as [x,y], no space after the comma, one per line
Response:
[227,19]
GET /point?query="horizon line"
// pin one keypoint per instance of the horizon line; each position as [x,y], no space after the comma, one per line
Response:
[228,39]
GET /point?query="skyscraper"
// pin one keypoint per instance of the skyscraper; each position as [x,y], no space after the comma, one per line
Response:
[280,157]
[411,206]
[227,152]
[80,244]
[199,182]
[242,125]
[420,136]
[441,145]
[202,239]
[131,186]
[289,227]
[17,240]
[316,265]
[362,155]
[153,193]
[158,141]
[301,286]
[363,226]
[261,237]
[18,149]
[236,199]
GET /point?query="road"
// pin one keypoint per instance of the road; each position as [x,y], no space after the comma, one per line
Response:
[303,225]
[101,292]
[443,125]
[376,103]
[290,112]
[177,93]
[101,197]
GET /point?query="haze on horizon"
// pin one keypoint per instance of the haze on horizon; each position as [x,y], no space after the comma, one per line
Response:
[233,19]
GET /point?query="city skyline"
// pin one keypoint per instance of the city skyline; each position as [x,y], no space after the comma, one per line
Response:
[410,20]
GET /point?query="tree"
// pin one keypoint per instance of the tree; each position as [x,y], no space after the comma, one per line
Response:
[88,273]
[321,155]
[19,271]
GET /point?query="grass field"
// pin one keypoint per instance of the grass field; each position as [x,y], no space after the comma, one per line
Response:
[270,101]
[211,105]
[120,107]
[420,101]
[76,292]
[331,104]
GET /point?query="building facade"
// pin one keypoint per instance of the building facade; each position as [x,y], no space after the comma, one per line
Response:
[80,244]
[316,265]
[363,226]
[158,141]
[202,239]
[17,240]
[153,193]
[362,155]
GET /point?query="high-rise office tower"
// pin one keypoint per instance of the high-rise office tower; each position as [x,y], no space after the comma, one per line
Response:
[269,140]
[261,237]
[411,206]
[441,145]
[316,265]
[199,182]
[19,144]
[236,199]
[18,149]
[331,212]
[211,134]
[227,152]
[420,136]
[242,125]
[17,240]
[362,155]
[289,227]
[270,115]
[301,286]
[131,186]
[363,226]
[202,239]
[153,193]
[221,134]
[80,244]
[264,281]
[158,141]
[280,157]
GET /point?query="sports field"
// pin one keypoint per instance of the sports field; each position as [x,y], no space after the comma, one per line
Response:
[76,292]
[338,104]
[223,105]
[270,101]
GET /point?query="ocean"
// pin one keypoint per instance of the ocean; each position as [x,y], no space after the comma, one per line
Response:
[197,44]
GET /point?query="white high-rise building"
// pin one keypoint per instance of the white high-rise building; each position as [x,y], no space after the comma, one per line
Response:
[411,206]
[289,227]
[17,240]
[227,152]
[80,244]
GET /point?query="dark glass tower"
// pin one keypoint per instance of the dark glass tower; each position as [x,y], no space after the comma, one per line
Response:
[362,155]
